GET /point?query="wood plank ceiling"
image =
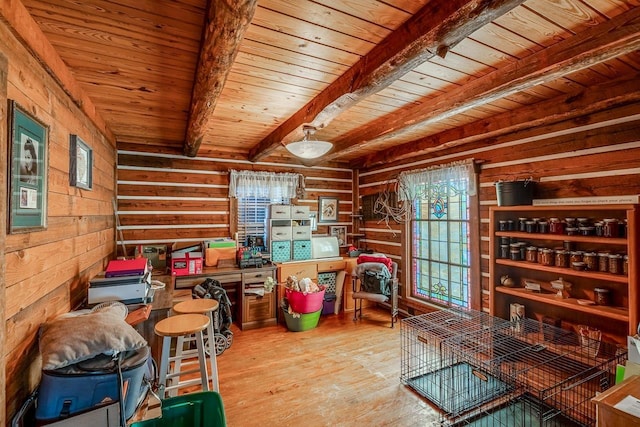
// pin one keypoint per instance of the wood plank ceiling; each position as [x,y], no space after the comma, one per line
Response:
[380,79]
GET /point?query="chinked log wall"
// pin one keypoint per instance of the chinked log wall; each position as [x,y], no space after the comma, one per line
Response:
[589,155]
[166,198]
[46,271]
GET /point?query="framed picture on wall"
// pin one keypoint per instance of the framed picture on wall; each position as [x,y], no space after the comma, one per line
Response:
[327,209]
[340,231]
[80,163]
[28,146]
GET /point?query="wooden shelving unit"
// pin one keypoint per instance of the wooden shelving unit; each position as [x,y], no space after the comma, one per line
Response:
[616,320]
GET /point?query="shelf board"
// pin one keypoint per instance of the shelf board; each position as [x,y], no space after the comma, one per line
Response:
[615,313]
[563,237]
[564,271]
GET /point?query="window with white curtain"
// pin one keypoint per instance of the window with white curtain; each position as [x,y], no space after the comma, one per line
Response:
[440,230]
[255,191]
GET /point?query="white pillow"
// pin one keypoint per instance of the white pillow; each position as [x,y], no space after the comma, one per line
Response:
[71,339]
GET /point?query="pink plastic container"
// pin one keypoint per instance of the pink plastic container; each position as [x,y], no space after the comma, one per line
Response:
[301,303]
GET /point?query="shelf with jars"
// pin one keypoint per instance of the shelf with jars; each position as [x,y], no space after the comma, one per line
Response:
[594,247]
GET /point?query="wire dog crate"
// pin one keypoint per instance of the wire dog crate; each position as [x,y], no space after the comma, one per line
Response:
[489,372]
[446,380]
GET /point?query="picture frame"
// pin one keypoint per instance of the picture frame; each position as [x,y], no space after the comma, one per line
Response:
[28,152]
[328,208]
[340,231]
[80,163]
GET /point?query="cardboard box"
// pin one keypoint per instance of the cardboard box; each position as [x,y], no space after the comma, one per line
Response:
[186,263]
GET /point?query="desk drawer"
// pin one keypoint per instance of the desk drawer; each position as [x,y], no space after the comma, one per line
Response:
[301,271]
[256,276]
[258,307]
[331,265]
[190,282]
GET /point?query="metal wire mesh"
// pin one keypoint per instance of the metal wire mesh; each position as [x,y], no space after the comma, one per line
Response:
[447,380]
[484,371]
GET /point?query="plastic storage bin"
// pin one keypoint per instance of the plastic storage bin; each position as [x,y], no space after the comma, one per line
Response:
[305,303]
[303,323]
[202,409]
[329,304]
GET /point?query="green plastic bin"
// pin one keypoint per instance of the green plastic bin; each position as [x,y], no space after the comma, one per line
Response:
[305,322]
[203,409]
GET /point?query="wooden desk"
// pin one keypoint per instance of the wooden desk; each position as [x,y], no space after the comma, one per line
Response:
[607,415]
[252,311]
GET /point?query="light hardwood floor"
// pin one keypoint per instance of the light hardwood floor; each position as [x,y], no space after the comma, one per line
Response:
[342,373]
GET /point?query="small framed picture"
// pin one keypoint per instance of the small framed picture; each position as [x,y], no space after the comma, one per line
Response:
[80,163]
[327,209]
[340,231]
[28,145]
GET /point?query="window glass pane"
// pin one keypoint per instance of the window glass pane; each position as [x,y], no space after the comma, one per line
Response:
[252,215]
[441,243]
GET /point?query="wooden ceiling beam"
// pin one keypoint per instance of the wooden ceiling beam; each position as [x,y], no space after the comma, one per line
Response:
[611,39]
[433,30]
[569,106]
[227,21]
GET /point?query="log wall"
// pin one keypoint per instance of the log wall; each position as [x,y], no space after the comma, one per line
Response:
[166,198]
[45,273]
[591,155]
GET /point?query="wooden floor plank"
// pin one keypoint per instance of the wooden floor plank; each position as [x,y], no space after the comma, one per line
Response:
[342,373]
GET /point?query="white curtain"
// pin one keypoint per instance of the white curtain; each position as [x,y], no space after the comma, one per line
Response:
[265,184]
[413,184]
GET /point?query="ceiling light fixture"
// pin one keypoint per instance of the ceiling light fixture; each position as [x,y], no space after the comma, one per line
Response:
[309,148]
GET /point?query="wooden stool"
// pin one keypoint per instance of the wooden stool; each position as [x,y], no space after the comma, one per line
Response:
[181,326]
[208,308]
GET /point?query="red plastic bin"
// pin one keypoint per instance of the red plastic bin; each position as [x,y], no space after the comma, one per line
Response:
[305,303]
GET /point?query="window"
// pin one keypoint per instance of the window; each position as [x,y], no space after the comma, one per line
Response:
[252,214]
[440,228]
[255,191]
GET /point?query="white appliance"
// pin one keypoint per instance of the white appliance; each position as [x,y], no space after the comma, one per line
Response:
[325,247]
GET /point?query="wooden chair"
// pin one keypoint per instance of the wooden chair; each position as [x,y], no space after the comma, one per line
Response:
[359,294]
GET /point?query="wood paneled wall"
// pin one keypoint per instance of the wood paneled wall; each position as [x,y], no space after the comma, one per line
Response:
[45,273]
[591,155]
[165,198]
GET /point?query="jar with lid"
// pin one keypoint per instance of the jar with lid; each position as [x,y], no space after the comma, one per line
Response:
[575,256]
[522,221]
[610,228]
[556,226]
[531,226]
[502,225]
[547,257]
[622,228]
[532,254]
[615,264]
[571,231]
[587,230]
[599,228]
[504,251]
[571,222]
[603,262]
[543,227]
[602,296]
[562,258]
[515,253]
[511,225]
[591,260]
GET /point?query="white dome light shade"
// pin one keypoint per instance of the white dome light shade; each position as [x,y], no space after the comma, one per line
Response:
[309,149]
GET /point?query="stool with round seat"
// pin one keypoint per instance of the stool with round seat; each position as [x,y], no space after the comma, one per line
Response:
[181,326]
[205,307]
